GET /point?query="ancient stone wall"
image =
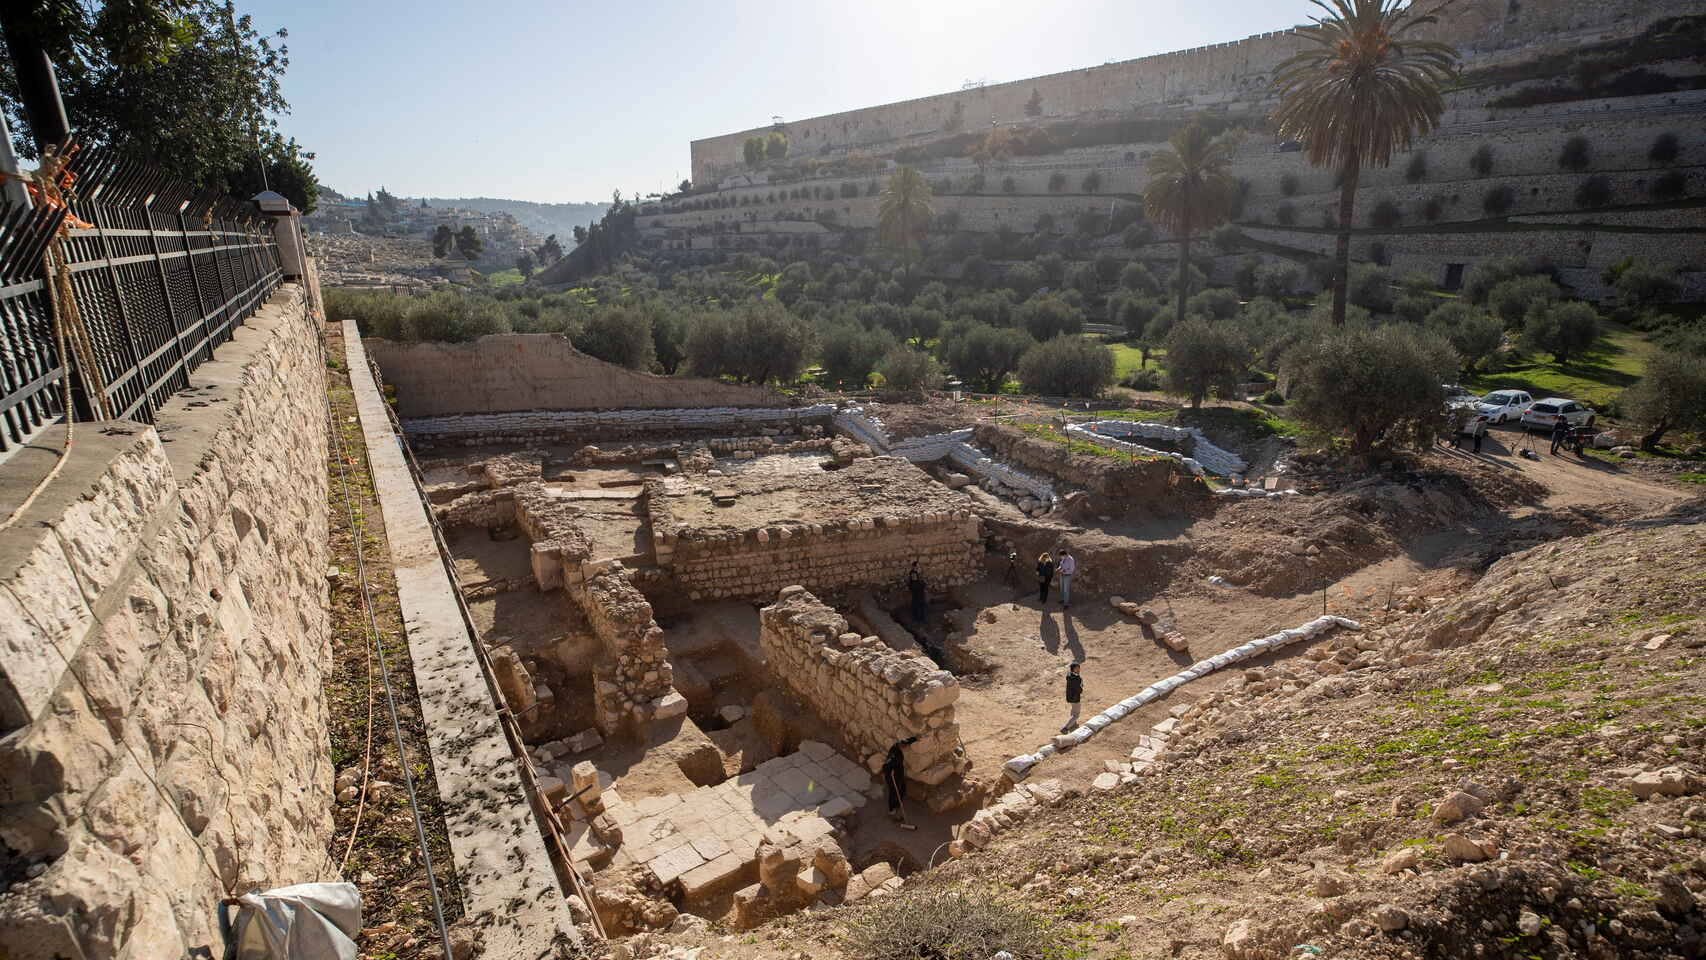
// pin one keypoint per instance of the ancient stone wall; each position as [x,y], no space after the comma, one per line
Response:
[580,426]
[163,634]
[1217,76]
[535,371]
[633,680]
[872,694]
[1126,479]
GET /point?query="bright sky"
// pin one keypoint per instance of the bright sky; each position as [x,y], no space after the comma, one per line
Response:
[566,101]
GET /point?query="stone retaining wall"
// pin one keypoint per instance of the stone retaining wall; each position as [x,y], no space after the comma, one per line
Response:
[579,426]
[952,446]
[1118,435]
[872,694]
[184,582]
[1100,474]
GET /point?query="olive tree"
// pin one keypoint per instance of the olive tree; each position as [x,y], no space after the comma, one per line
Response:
[1203,355]
[1672,396]
[1373,385]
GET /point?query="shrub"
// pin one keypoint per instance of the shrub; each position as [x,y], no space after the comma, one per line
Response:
[1642,285]
[1204,355]
[1009,185]
[1024,278]
[1226,237]
[1285,214]
[455,317]
[1665,149]
[1056,182]
[1513,300]
[1576,154]
[1670,185]
[620,335]
[1107,267]
[1134,314]
[1475,336]
[1377,386]
[1498,200]
[1478,284]
[975,183]
[1288,185]
[982,355]
[850,351]
[1067,365]
[1053,267]
[1092,182]
[756,342]
[1417,169]
[1089,224]
[1143,378]
[1216,303]
[1137,235]
[1278,280]
[909,371]
[1561,329]
[1370,287]
[1135,277]
[1192,282]
[1414,307]
[1047,317]
[376,314]
[948,926]
[1273,398]
[1244,275]
[1386,214]
[1595,191]
[1481,161]
[1045,223]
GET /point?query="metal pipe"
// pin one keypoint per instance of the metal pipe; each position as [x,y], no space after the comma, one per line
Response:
[38,88]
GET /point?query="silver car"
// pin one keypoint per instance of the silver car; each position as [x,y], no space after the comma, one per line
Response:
[1503,406]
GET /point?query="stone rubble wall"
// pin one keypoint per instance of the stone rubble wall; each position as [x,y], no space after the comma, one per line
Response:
[1020,766]
[535,371]
[754,564]
[1203,456]
[571,426]
[633,682]
[872,694]
[1103,475]
[185,583]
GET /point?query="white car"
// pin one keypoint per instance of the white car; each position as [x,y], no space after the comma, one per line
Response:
[1503,406]
[1543,414]
[1458,398]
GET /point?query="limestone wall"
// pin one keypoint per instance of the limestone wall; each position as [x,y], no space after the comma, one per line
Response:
[535,371]
[180,570]
[872,694]
[633,680]
[1104,475]
[577,426]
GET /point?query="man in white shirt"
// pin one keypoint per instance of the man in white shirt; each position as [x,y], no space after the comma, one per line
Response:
[1064,568]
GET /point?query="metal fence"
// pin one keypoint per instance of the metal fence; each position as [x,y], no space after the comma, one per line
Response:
[162,275]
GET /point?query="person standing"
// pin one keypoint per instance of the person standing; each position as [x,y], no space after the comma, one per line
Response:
[915,584]
[1066,566]
[1560,434]
[894,782]
[1045,574]
[1477,429]
[1074,697]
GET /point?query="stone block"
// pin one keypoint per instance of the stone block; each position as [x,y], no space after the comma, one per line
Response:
[714,877]
[671,865]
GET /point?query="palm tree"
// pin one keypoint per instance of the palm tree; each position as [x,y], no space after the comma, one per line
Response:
[1362,89]
[904,210]
[1189,190]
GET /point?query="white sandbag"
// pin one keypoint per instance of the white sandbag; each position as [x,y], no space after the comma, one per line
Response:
[307,921]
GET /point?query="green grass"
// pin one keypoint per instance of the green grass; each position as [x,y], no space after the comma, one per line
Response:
[504,278]
[1596,377]
[1692,477]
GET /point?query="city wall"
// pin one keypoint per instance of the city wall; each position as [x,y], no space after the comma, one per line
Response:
[511,372]
[872,694]
[163,636]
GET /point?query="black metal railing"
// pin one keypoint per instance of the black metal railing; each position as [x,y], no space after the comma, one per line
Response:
[162,274]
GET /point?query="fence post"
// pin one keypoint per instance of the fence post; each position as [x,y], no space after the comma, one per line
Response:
[96,212]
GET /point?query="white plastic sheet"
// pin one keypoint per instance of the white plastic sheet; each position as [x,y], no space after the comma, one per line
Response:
[307,921]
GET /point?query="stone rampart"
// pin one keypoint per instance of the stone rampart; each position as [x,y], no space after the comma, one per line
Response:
[1108,476]
[576,426]
[163,639]
[872,694]
[511,372]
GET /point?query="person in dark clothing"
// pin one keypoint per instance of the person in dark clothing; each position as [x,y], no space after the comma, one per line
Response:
[894,781]
[1560,434]
[1074,694]
[915,583]
[1045,574]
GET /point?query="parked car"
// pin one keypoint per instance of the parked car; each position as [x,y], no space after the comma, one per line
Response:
[1502,406]
[1542,414]
[1459,398]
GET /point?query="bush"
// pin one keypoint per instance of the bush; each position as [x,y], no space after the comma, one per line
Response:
[1089,224]
[850,351]
[1498,200]
[1370,287]
[1047,317]
[1056,182]
[1092,182]
[1278,280]
[1244,275]
[376,314]
[907,370]
[1204,355]
[982,355]
[757,342]
[1670,185]
[1513,300]
[1576,154]
[1561,329]
[1135,277]
[1288,185]
[1193,282]
[1417,169]
[1285,214]
[1595,191]
[975,183]
[1024,278]
[1068,366]
[1665,149]
[1143,378]
[947,926]
[1672,396]
[1642,285]
[1481,161]
[1386,214]
[454,317]
[1053,267]
[620,335]
[1475,336]
[1009,185]
[1216,303]
[1137,235]
[1414,307]
[1273,398]
[1478,284]
[1226,237]
[1376,386]
[1135,313]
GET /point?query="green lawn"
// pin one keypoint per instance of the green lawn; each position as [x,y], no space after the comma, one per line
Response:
[1127,358]
[504,278]
[1595,378]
